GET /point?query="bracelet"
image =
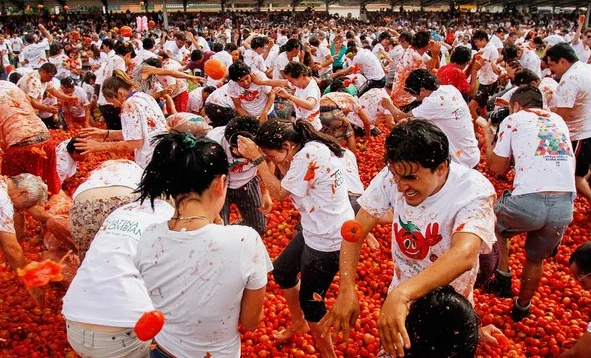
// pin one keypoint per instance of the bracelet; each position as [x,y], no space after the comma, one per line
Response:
[107,136]
[258,161]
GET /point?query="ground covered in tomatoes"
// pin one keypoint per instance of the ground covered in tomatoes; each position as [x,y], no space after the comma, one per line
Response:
[560,313]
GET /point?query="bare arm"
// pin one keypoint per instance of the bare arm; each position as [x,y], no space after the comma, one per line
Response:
[581,349]
[12,250]
[251,308]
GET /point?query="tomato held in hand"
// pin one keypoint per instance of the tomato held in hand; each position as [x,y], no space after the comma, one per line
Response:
[37,274]
[149,324]
[351,231]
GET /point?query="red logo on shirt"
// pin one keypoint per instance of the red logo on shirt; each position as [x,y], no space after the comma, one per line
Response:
[411,241]
[249,95]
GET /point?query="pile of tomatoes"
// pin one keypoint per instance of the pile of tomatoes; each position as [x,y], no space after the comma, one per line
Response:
[560,313]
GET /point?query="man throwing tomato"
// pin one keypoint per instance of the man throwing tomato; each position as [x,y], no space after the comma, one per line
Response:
[442,220]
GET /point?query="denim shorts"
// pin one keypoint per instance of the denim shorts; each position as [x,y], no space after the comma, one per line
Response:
[544,217]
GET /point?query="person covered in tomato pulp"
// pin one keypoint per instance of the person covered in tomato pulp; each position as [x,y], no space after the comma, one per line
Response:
[442,220]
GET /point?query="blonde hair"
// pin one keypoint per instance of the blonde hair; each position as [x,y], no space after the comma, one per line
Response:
[119,80]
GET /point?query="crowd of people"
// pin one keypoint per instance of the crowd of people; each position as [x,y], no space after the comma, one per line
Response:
[298,91]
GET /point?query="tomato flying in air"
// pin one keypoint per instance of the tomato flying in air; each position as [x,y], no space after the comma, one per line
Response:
[149,324]
[37,274]
[351,231]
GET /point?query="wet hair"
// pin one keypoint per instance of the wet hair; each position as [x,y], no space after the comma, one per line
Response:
[218,47]
[109,43]
[421,78]
[258,42]
[480,35]
[421,39]
[48,68]
[54,49]
[296,69]
[154,62]
[209,89]
[14,77]
[119,80]
[417,141]
[197,55]
[525,77]
[383,36]
[148,43]
[405,36]
[527,96]
[461,55]
[274,132]
[71,146]
[237,70]
[34,186]
[510,52]
[582,258]
[290,45]
[562,50]
[338,85]
[324,84]
[124,48]
[89,76]
[181,164]
[67,82]
[538,40]
[308,59]
[230,47]
[245,126]
[442,323]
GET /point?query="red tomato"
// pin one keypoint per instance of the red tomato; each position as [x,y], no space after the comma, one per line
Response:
[149,324]
[351,231]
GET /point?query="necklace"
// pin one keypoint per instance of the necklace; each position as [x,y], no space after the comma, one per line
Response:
[196,217]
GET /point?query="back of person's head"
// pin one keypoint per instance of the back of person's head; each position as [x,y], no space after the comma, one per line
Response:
[148,43]
[258,42]
[421,78]
[582,258]
[417,141]
[527,96]
[208,89]
[14,77]
[154,62]
[290,45]
[405,36]
[67,82]
[351,44]
[338,85]
[298,132]
[237,70]
[245,126]
[196,55]
[30,38]
[510,52]
[32,187]
[230,47]
[525,77]
[421,39]
[480,35]
[384,36]
[313,41]
[562,50]
[48,68]
[119,80]
[71,146]
[124,48]
[441,324]
[296,69]
[108,43]
[182,164]
[218,47]
[324,84]
[54,49]
[461,55]
[88,77]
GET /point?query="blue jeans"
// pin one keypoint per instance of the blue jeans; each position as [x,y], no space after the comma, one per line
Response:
[158,353]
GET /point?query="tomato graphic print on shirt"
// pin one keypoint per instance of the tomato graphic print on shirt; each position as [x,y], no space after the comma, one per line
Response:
[249,96]
[411,241]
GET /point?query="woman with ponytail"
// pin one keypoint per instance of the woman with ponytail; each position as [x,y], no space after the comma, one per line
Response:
[141,120]
[313,177]
[204,277]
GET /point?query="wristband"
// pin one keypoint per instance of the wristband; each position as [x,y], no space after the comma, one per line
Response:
[258,161]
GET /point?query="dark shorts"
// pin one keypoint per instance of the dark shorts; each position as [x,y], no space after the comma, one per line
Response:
[544,217]
[582,149]
[317,270]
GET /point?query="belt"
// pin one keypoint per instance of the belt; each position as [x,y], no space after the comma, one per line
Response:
[36,139]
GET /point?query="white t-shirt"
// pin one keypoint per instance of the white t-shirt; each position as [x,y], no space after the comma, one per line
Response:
[241,170]
[120,172]
[574,91]
[197,279]
[369,65]
[77,109]
[6,209]
[17,44]
[176,52]
[582,52]
[280,62]
[496,41]
[446,108]
[195,103]
[255,61]
[539,141]
[254,98]
[272,56]
[531,61]
[320,57]
[310,115]
[142,118]
[180,84]
[33,55]
[396,54]
[486,75]
[352,179]
[113,62]
[322,202]
[59,62]
[66,165]
[548,86]
[143,55]
[220,97]
[421,234]
[114,295]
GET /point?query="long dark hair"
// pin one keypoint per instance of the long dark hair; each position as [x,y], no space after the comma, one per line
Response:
[181,164]
[274,132]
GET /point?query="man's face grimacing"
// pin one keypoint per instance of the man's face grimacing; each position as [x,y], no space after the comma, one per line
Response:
[415,182]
